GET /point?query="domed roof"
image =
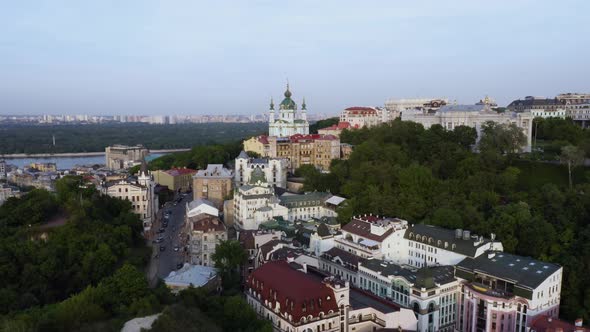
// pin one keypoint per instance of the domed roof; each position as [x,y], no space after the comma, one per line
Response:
[288,103]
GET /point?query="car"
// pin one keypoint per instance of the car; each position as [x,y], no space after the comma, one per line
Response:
[179,265]
[176,248]
[162,248]
[161,230]
[167,216]
[159,240]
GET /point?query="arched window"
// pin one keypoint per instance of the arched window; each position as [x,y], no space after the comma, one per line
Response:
[416,307]
[431,307]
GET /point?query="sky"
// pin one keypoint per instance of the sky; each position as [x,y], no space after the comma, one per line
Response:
[231,57]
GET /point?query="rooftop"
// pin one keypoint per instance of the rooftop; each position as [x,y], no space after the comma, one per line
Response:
[441,274]
[180,171]
[449,239]
[215,170]
[314,198]
[196,275]
[297,293]
[524,271]
[544,323]
[208,224]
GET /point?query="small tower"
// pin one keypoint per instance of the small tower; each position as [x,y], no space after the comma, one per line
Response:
[303,110]
[144,177]
[271,111]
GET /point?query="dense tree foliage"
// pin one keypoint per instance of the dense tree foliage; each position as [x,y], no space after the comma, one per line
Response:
[229,256]
[95,137]
[552,134]
[69,258]
[197,158]
[314,127]
[432,176]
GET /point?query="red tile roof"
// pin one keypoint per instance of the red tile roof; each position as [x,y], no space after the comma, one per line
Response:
[296,293]
[263,139]
[547,324]
[208,224]
[339,126]
[363,228]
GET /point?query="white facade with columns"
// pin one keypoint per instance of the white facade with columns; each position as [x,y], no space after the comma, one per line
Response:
[288,122]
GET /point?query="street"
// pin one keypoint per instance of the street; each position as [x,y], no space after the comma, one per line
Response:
[168,259]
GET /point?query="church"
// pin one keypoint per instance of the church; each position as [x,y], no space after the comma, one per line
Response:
[288,122]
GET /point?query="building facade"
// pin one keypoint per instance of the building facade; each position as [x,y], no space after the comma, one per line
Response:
[205,233]
[270,170]
[317,150]
[452,116]
[140,193]
[288,121]
[258,145]
[295,301]
[176,179]
[123,156]
[213,184]
[505,292]
[396,107]
[360,116]
[431,292]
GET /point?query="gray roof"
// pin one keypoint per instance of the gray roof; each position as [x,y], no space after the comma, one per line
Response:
[464,247]
[214,171]
[463,108]
[197,202]
[243,155]
[524,271]
[308,198]
[441,274]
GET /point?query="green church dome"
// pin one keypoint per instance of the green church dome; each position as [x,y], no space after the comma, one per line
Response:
[288,103]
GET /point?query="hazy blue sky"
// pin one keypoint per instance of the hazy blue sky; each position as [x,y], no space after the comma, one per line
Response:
[191,57]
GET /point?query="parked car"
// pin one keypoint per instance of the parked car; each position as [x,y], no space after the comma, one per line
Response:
[161,230]
[179,265]
[162,248]
[159,240]
[176,248]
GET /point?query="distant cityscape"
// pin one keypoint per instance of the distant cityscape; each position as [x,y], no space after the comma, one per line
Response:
[50,119]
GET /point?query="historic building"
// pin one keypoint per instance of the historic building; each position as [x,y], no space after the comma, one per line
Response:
[396,107]
[505,292]
[359,117]
[431,292]
[273,170]
[204,233]
[123,156]
[288,122]
[213,184]
[258,145]
[293,300]
[140,192]
[474,116]
[335,130]
[317,150]
[176,179]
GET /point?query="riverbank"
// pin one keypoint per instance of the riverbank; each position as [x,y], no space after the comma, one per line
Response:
[76,154]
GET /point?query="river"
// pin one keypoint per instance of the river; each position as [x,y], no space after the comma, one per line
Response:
[68,162]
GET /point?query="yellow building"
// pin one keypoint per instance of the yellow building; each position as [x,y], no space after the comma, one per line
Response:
[315,149]
[44,167]
[213,184]
[257,144]
[176,179]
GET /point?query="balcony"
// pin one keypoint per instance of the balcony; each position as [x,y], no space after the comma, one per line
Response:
[371,248]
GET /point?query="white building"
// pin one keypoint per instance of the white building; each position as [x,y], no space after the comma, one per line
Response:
[431,292]
[505,292]
[273,170]
[140,193]
[427,245]
[256,203]
[452,116]
[553,113]
[360,117]
[295,301]
[397,106]
[288,122]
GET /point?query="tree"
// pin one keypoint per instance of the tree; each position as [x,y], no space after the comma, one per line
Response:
[571,156]
[501,138]
[228,257]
